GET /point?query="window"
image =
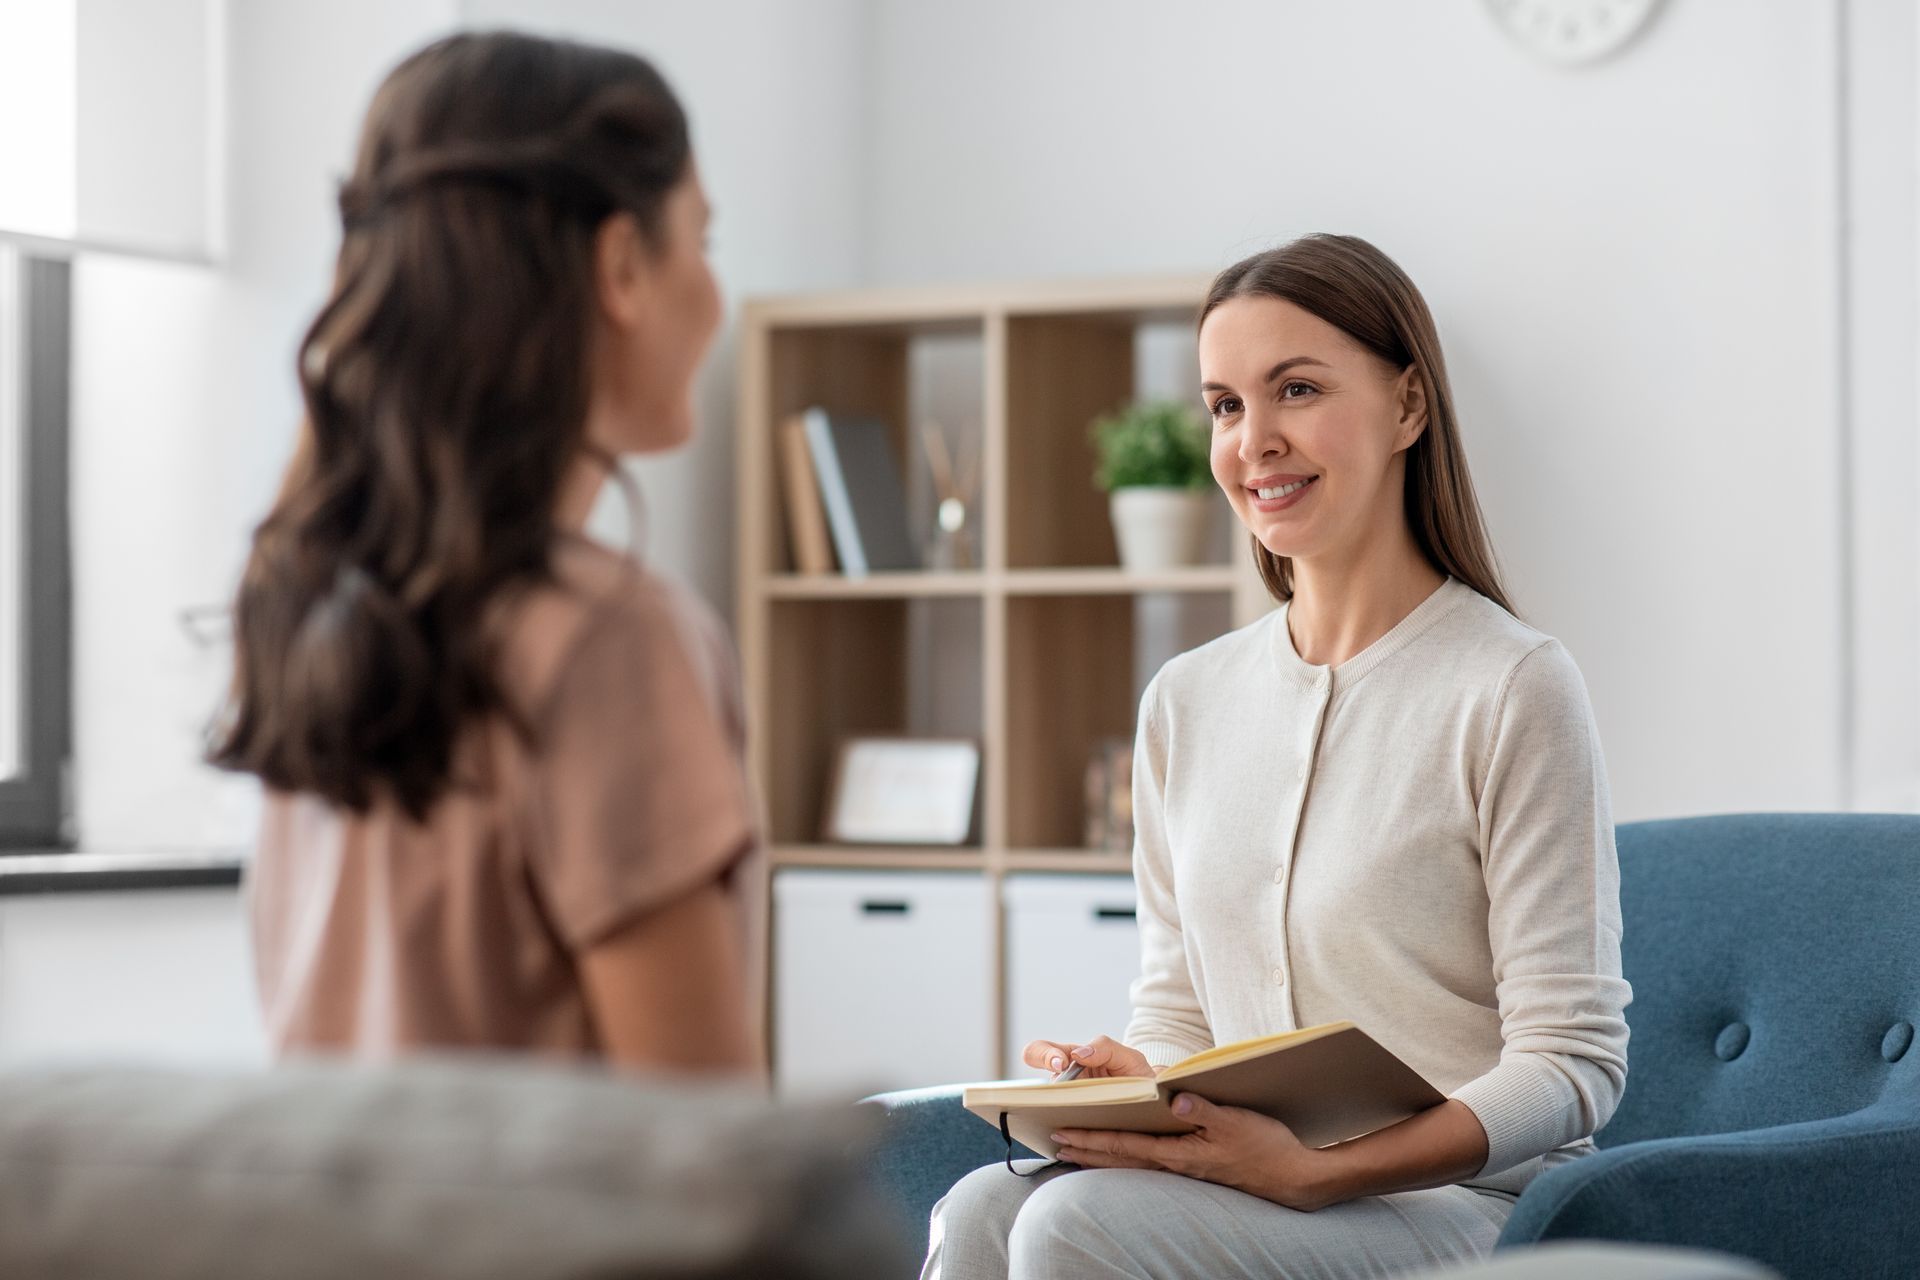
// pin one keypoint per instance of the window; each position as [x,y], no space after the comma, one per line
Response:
[117,123]
[36,702]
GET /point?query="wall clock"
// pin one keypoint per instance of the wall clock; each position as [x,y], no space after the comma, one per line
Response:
[1572,31]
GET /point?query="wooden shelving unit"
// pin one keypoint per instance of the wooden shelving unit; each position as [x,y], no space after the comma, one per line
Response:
[1049,617]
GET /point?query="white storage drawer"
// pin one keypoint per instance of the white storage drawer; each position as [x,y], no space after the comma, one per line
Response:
[1073,951]
[881,980]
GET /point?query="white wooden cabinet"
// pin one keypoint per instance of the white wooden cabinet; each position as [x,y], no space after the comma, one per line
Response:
[882,980]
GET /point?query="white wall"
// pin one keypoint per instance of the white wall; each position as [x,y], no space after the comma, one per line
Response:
[134,976]
[184,407]
[1632,265]
[184,396]
[1636,269]
[776,94]
[1882,409]
[145,177]
[1635,266]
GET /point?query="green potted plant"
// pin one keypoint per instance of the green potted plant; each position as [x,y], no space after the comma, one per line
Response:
[1152,461]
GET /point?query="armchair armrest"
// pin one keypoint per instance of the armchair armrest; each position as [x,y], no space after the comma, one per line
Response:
[1822,1198]
[928,1142]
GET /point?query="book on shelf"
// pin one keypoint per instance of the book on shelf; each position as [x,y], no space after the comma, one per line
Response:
[806,517]
[1327,1083]
[862,491]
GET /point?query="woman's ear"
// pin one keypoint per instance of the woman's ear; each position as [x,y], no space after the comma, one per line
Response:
[622,269]
[1411,399]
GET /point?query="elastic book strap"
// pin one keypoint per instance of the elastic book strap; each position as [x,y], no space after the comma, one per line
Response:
[1031,1173]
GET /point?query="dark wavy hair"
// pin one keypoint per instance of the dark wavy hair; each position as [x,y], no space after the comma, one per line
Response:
[446,387]
[1359,290]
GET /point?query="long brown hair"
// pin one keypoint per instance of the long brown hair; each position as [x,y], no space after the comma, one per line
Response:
[1359,290]
[446,388]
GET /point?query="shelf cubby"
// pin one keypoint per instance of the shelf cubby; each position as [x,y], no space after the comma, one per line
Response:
[1040,649]
[1062,372]
[1070,677]
[907,373]
[841,668]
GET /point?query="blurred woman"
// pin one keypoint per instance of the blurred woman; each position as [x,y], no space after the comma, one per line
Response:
[506,800]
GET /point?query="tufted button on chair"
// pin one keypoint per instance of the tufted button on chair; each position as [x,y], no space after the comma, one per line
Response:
[1772,1108]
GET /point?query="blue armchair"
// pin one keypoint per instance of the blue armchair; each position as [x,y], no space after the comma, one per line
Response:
[1772,1107]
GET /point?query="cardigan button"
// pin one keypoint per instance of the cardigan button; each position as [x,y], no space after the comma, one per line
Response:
[1899,1037]
[1732,1042]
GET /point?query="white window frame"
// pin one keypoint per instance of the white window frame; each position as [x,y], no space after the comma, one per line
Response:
[35,586]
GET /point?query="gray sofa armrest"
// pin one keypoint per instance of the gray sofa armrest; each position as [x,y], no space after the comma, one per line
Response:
[470,1168]
[1821,1198]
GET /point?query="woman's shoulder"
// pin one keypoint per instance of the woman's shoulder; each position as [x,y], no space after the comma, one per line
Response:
[600,600]
[1502,645]
[1506,669]
[1480,624]
[615,588]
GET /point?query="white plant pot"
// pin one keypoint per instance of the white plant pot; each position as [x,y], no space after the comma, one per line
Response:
[1160,528]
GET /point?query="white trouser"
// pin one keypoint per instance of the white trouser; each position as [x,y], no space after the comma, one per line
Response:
[1075,1224]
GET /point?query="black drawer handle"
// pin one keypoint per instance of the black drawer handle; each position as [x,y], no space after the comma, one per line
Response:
[1114,913]
[885,908]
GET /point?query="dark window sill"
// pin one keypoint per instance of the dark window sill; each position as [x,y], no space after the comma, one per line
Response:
[31,871]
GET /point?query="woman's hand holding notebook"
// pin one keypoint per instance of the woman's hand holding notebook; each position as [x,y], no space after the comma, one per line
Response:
[1327,1083]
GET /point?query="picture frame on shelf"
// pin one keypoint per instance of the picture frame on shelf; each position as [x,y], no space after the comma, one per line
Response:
[899,790]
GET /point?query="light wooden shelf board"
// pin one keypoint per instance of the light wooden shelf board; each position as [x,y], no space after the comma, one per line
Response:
[1081,860]
[1202,579]
[878,586]
[912,311]
[1090,861]
[878,859]
[1115,581]
[949,307]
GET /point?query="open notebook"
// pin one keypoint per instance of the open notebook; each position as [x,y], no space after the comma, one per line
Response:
[1327,1083]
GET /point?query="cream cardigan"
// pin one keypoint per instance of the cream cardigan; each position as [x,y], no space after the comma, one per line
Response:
[1419,839]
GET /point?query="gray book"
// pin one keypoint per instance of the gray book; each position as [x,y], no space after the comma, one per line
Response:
[862,490]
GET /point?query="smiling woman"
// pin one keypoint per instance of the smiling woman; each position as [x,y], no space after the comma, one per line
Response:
[1384,802]
[1361,346]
